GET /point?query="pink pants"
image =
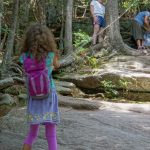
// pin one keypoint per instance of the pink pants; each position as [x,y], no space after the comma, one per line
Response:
[50,133]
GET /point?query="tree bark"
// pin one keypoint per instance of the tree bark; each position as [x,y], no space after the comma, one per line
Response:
[26,11]
[39,9]
[11,37]
[68,28]
[112,19]
[7,57]
[61,42]
[1,15]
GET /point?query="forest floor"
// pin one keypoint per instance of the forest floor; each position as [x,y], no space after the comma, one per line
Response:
[111,127]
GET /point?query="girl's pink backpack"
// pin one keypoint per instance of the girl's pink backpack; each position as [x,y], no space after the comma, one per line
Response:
[38,81]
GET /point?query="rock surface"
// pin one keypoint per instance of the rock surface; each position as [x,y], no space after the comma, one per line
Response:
[15,89]
[129,73]
[110,128]
[6,99]
[6,83]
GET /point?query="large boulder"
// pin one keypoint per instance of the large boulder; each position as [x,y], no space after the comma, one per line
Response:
[15,89]
[6,83]
[6,99]
[67,88]
[127,73]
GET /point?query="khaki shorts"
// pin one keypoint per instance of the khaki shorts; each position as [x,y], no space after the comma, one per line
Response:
[137,31]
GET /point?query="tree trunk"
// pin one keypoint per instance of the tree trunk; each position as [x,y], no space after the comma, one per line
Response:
[39,8]
[11,37]
[10,43]
[61,42]
[112,19]
[68,28]
[26,11]
[1,15]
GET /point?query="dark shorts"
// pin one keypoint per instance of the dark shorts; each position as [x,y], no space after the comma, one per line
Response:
[137,31]
[101,21]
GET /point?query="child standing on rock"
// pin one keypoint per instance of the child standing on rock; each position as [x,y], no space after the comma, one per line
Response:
[39,57]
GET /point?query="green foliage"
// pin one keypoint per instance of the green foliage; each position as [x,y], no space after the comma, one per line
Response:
[109,89]
[92,61]
[136,4]
[124,83]
[5,30]
[80,38]
[128,3]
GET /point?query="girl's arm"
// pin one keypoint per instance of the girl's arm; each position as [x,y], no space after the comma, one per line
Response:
[56,63]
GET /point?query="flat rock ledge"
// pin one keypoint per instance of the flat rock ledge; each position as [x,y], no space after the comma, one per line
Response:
[108,128]
[128,73]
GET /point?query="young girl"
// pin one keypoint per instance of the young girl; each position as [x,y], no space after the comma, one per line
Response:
[39,44]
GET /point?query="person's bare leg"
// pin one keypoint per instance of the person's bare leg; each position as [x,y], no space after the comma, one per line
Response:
[26,147]
[142,43]
[101,35]
[138,43]
[96,30]
[144,51]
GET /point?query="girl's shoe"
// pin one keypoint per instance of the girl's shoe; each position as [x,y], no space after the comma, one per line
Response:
[26,147]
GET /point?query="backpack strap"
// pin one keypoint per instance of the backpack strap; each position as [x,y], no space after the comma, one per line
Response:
[24,56]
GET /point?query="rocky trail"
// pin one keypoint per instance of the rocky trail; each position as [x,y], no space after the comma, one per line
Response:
[111,127]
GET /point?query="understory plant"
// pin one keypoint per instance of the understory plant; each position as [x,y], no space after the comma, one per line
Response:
[110,89]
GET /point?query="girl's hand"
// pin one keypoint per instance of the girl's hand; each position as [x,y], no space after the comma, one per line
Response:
[55,61]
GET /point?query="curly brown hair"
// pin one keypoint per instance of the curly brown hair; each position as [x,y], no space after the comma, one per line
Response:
[38,41]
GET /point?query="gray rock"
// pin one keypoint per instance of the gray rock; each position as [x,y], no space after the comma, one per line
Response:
[65,84]
[78,103]
[127,73]
[64,90]
[6,99]
[22,99]
[105,129]
[6,83]
[68,88]
[15,89]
